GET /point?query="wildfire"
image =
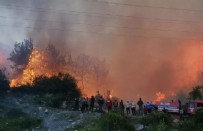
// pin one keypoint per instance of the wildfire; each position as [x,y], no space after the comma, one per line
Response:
[37,66]
[47,63]
[160,96]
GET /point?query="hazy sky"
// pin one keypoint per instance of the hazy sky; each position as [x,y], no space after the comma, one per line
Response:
[149,45]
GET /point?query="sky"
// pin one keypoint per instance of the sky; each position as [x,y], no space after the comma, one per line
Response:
[149,46]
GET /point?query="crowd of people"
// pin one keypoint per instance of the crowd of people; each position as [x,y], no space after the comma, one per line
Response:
[100,104]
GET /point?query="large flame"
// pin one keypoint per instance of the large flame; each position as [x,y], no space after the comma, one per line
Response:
[160,96]
[37,66]
[40,64]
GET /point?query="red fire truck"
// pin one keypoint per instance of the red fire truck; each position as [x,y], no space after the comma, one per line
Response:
[171,107]
[194,105]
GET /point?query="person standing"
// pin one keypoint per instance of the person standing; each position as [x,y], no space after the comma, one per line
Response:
[101,103]
[76,105]
[83,105]
[121,106]
[127,107]
[92,101]
[149,107]
[145,110]
[109,104]
[133,108]
[140,104]
[115,104]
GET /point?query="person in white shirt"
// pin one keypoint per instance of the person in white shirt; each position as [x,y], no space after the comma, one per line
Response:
[133,108]
[127,107]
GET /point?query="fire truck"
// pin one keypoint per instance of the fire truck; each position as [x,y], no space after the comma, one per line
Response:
[173,107]
[170,107]
[193,106]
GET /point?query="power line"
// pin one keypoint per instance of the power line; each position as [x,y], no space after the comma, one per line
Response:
[93,32]
[100,25]
[140,5]
[45,10]
[148,6]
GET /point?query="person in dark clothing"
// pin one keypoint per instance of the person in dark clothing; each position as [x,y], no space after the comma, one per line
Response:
[140,104]
[145,110]
[115,104]
[109,105]
[101,103]
[92,101]
[76,106]
[121,106]
[164,110]
[180,109]
[83,105]
[86,103]
[180,105]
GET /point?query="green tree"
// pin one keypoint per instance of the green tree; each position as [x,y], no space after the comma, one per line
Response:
[20,54]
[196,93]
[57,84]
[4,82]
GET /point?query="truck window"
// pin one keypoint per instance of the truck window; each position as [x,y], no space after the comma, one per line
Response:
[199,104]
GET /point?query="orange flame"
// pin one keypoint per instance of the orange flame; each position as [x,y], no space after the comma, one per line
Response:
[160,96]
[40,63]
[37,66]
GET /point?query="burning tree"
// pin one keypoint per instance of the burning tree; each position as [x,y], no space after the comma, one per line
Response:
[20,55]
[88,71]
[82,67]
[47,63]
[55,60]
[99,71]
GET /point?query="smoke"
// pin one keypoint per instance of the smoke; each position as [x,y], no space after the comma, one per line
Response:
[148,50]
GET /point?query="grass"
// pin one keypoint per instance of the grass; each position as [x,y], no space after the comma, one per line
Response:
[17,120]
[89,123]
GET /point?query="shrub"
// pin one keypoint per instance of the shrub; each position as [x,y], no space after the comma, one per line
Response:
[199,116]
[194,123]
[187,125]
[57,84]
[17,120]
[157,121]
[114,121]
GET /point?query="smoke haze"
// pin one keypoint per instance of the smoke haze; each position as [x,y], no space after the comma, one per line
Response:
[149,46]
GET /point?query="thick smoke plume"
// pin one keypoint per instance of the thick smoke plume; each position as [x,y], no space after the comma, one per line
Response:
[148,49]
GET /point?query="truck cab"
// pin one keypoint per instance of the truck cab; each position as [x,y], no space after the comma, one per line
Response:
[194,106]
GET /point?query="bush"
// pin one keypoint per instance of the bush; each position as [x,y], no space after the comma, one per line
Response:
[18,120]
[199,117]
[187,125]
[194,123]
[57,84]
[114,121]
[157,121]
[4,82]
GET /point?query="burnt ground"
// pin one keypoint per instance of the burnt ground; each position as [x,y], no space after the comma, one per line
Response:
[53,120]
